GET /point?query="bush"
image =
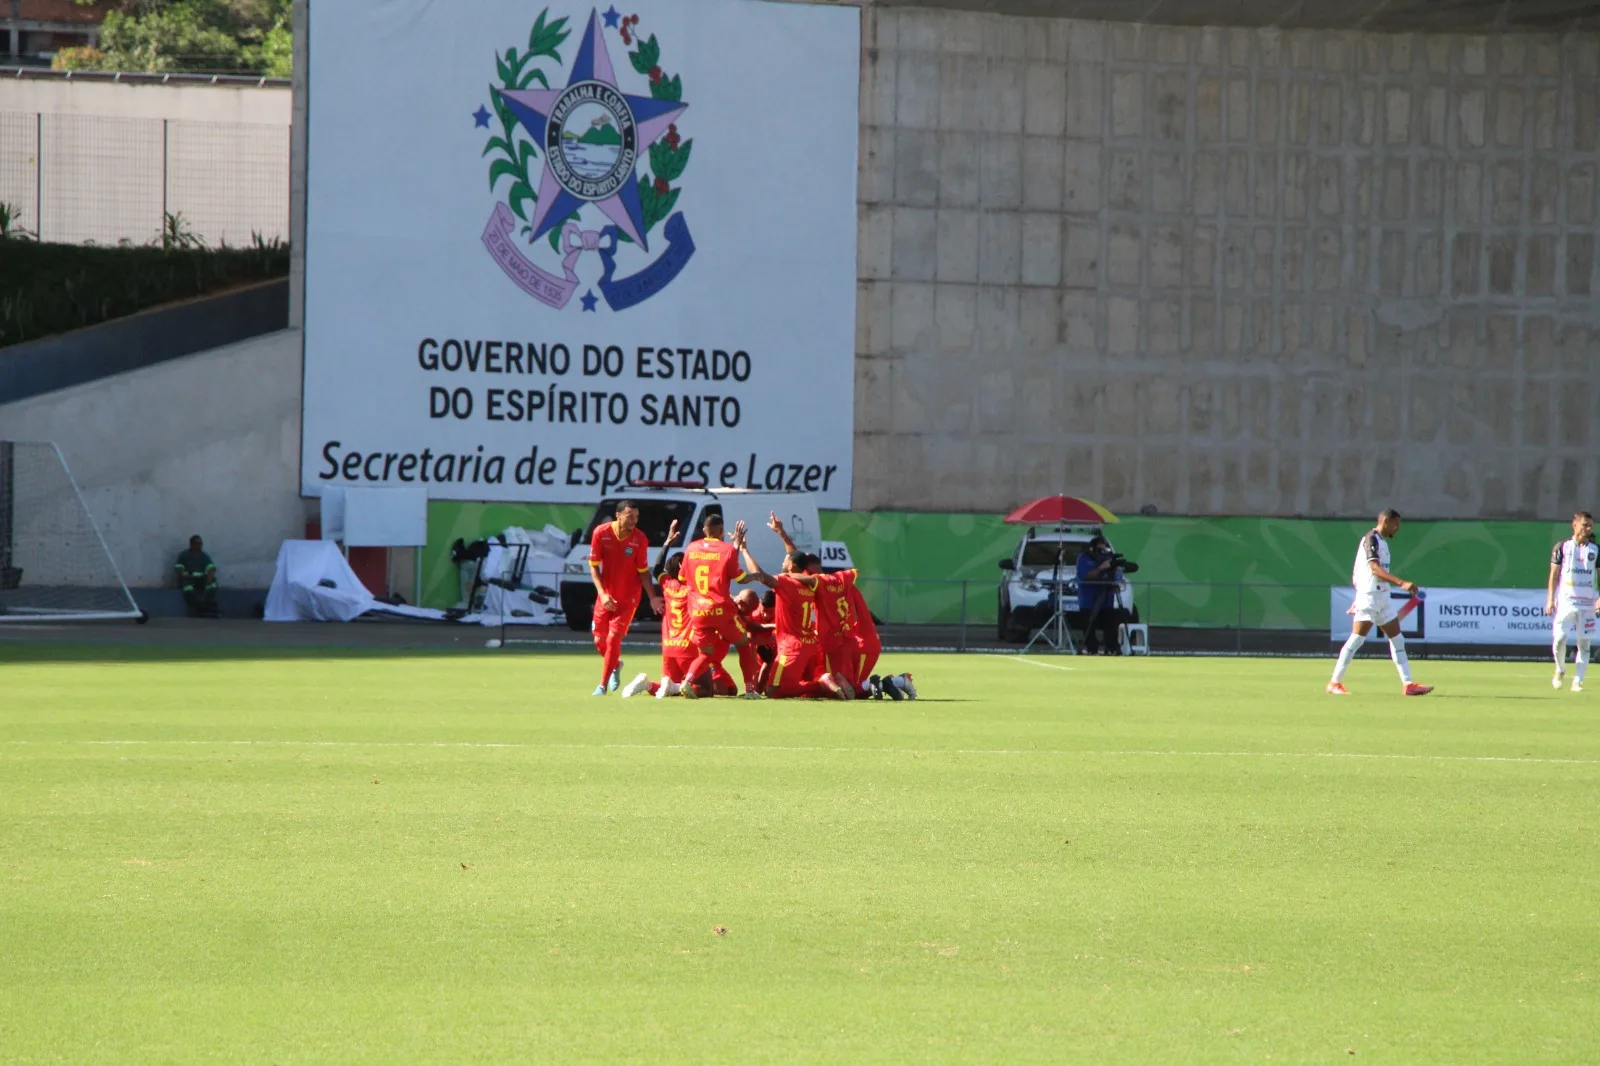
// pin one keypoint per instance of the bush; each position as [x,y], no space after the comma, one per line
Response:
[47,289]
[78,59]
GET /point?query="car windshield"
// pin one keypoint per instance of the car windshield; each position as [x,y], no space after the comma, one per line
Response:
[1038,554]
[654,518]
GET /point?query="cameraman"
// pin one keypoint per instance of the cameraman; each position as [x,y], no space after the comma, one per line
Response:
[1097,597]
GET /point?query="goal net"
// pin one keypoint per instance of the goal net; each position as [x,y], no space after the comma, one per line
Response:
[53,562]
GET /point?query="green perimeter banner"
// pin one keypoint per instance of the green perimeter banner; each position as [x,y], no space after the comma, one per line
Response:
[1269,573]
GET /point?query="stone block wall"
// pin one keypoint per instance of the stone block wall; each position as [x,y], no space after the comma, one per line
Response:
[1226,271]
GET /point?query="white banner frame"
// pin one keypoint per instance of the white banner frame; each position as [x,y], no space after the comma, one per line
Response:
[1500,617]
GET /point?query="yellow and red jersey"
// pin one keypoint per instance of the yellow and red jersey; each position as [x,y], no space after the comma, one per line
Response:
[620,561]
[709,566]
[861,624]
[675,625]
[835,612]
[795,609]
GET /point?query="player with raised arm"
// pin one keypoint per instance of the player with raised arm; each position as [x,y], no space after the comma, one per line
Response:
[676,650]
[619,566]
[1372,579]
[849,637]
[710,566]
[795,607]
[1570,599]
[834,636]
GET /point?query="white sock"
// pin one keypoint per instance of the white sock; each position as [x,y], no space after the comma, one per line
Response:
[1397,652]
[1558,649]
[1347,653]
[1583,661]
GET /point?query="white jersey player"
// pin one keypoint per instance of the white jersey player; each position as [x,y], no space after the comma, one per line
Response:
[1373,606]
[1570,598]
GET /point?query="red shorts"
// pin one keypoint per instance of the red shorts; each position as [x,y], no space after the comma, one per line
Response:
[675,663]
[843,660]
[612,623]
[722,626]
[795,669]
[868,648]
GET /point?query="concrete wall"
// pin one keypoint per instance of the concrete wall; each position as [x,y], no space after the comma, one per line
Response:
[100,161]
[209,443]
[1226,271]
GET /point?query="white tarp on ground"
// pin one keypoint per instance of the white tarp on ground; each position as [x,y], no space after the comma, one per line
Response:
[1459,616]
[314,583]
[541,574]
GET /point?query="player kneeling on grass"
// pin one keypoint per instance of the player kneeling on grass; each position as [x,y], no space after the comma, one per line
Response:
[677,650]
[1570,598]
[849,637]
[710,565]
[799,652]
[1373,607]
[756,616]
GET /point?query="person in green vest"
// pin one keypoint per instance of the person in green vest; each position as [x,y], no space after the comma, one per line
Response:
[197,577]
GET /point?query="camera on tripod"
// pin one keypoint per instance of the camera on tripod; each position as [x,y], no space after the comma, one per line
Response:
[1120,562]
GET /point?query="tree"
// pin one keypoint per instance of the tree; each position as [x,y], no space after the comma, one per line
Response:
[227,36]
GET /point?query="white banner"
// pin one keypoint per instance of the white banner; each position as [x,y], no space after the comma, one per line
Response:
[1459,616]
[555,247]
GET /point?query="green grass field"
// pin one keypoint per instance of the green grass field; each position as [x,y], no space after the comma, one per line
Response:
[263,857]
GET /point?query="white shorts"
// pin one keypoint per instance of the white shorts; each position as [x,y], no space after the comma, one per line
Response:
[1377,608]
[1574,619]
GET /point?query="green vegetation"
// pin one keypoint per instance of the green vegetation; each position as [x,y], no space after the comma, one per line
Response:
[47,289]
[388,858]
[209,36]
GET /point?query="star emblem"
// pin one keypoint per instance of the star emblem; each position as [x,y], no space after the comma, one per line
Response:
[480,117]
[648,121]
[611,17]
[589,300]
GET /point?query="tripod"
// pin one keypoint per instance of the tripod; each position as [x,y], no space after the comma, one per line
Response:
[1061,639]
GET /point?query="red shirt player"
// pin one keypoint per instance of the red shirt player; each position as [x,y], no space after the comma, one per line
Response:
[758,620]
[677,650]
[865,632]
[710,565]
[799,650]
[619,566]
[837,614]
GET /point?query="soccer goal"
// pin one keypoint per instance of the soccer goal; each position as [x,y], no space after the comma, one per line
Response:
[54,565]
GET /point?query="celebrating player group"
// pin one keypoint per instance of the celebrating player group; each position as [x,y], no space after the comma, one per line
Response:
[812,637]
[1570,597]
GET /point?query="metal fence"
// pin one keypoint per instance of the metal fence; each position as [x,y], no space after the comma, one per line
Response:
[80,179]
[1183,617]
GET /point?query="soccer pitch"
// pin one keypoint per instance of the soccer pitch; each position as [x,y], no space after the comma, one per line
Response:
[279,857]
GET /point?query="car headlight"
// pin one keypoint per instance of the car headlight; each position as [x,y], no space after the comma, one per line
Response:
[572,569]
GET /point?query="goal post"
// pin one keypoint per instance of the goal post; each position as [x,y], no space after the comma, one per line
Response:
[54,564]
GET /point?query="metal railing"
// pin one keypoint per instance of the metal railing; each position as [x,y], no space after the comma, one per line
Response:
[79,179]
[1195,616]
